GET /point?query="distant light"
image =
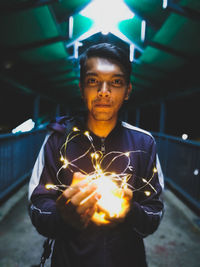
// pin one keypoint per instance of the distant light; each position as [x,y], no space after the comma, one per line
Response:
[24,127]
[143,30]
[165,3]
[107,14]
[8,64]
[196,172]
[184,136]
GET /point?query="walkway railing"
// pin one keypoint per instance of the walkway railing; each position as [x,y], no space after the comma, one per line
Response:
[180,161]
[17,155]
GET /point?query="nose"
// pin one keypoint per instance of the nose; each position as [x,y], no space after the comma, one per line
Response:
[104,90]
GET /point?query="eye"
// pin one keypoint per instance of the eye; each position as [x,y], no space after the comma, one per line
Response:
[117,82]
[92,81]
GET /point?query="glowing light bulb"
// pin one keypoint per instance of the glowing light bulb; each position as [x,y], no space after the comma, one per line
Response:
[144,180]
[147,193]
[66,163]
[96,156]
[127,154]
[75,129]
[155,170]
[87,133]
[49,186]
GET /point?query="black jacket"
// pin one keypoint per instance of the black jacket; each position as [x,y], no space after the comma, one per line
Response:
[98,246]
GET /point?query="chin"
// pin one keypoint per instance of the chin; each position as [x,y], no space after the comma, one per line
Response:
[102,116]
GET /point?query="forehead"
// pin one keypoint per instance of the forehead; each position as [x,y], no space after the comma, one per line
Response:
[103,66]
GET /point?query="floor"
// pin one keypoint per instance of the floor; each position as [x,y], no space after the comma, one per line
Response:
[176,243]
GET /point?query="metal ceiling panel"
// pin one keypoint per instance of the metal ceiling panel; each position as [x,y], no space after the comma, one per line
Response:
[161,59]
[193,4]
[149,10]
[181,34]
[35,38]
[45,54]
[28,26]
[65,8]
[81,25]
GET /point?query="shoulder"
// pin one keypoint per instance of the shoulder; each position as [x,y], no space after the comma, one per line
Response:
[137,132]
[61,124]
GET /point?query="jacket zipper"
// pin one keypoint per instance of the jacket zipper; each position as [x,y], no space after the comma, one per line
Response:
[103,148]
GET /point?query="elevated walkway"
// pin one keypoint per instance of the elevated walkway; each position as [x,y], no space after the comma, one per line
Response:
[175,243]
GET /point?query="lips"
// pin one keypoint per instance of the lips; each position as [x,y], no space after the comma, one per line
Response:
[102,104]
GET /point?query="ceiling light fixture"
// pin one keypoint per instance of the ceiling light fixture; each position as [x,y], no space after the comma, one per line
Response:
[106,14]
[143,30]
[165,3]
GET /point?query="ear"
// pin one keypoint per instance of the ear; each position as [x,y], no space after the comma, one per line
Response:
[128,91]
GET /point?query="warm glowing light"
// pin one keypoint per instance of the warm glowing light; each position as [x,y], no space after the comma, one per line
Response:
[112,203]
[87,133]
[95,155]
[147,193]
[109,185]
[49,186]
[75,129]
[66,163]
[155,170]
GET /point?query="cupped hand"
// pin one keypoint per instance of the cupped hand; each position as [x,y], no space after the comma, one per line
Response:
[127,195]
[77,203]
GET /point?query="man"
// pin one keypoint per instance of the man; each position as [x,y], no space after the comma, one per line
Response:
[68,216]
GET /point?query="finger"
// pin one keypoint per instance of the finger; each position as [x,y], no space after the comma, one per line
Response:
[78,177]
[87,215]
[83,194]
[72,190]
[89,203]
[128,193]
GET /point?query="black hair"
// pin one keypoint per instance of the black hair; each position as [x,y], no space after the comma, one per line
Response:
[107,51]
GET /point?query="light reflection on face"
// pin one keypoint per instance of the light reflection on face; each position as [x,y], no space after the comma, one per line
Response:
[105,88]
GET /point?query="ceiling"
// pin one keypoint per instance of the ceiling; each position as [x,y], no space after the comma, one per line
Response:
[41,40]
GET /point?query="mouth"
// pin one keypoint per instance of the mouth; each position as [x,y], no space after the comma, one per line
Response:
[102,105]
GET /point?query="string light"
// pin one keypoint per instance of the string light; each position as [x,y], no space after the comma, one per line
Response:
[110,185]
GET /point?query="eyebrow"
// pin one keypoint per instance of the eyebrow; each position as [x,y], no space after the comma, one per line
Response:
[95,74]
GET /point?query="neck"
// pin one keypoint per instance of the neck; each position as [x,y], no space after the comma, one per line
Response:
[101,128]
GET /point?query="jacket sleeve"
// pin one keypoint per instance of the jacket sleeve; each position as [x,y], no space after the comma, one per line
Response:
[146,211]
[42,206]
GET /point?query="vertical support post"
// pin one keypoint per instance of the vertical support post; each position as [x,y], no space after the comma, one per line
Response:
[137,121]
[36,109]
[162,117]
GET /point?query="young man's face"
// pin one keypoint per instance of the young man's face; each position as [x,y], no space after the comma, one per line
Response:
[104,89]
